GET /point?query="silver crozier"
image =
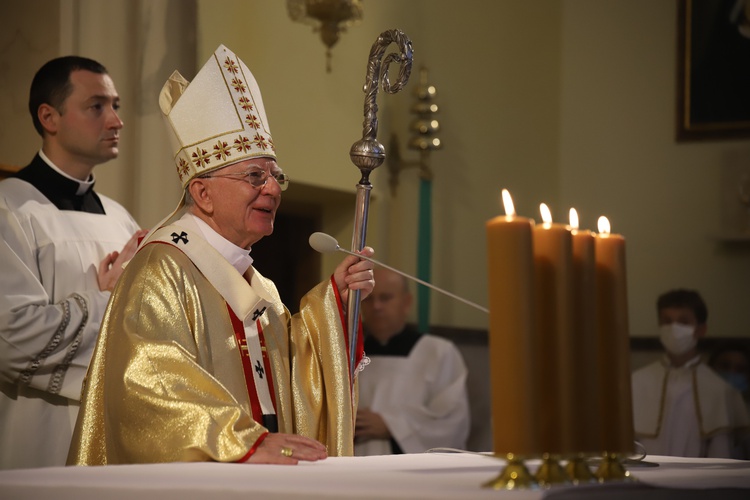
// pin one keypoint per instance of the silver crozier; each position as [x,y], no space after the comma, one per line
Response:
[368,154]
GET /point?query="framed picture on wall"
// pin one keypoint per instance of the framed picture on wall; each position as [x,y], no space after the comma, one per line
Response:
[713,69]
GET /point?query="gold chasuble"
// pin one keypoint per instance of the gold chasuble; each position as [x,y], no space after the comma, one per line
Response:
[167,382]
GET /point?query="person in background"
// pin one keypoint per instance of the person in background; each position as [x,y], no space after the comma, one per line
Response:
[413,393]
[198,359]
[681,407]
[61,252]
[731,360]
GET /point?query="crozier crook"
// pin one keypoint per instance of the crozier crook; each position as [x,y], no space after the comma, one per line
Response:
[368,154]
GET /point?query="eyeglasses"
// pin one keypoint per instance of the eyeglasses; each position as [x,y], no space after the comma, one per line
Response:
[256,177]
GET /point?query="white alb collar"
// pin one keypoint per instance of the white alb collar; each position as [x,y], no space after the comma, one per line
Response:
[235,255]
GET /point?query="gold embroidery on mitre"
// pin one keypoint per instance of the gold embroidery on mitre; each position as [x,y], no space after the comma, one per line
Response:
[242,144]
[222,151]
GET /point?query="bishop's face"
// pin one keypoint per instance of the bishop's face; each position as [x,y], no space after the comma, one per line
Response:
[239,211]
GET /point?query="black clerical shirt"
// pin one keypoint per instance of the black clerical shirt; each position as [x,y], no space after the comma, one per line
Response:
[58,189]
[400,344]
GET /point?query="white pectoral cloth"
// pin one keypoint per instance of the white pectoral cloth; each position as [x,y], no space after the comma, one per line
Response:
[194,357]
[417,383]
[50,307]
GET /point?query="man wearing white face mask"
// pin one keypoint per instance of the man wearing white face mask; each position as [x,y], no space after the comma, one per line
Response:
[680,406]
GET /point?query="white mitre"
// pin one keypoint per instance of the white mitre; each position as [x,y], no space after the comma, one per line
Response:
[217,119]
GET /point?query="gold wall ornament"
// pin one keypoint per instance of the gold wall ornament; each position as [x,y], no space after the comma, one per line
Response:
[424,129]
[328,17]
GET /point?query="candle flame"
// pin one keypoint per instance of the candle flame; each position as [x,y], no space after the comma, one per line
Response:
[546,214]
[508,203]
[603,225]
[573,216]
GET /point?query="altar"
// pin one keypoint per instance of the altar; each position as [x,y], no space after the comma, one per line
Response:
[415,476]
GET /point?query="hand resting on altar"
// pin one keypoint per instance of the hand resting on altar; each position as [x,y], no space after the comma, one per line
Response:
[287,449]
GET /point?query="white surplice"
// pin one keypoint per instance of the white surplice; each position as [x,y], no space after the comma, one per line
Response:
[50,312]
[685,411]
[421,397]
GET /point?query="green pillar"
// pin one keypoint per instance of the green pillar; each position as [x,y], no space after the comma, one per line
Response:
[424,253]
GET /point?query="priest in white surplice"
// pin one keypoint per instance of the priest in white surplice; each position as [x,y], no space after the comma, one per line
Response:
[681,407]
[412,395]
[61,251]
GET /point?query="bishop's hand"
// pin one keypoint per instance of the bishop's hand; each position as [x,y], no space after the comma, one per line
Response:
[287,449]
[355,274]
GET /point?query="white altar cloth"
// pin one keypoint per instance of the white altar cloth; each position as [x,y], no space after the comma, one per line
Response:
[415,476]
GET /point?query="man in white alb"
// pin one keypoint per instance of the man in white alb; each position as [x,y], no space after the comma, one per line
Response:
[412,395]
[61,251]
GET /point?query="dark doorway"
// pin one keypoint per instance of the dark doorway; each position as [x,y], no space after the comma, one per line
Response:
[286,257]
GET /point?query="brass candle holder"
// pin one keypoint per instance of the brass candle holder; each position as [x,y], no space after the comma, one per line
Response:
[612,469]
[550,472]
[514,476]
[578,470]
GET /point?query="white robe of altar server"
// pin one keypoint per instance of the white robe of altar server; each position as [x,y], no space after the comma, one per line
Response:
[688,411]
[421,397]
[50,312]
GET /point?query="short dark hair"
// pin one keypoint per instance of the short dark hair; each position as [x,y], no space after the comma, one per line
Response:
[689,299]
[51,84]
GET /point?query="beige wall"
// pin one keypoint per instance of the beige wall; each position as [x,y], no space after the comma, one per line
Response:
[499,92]
[569,103]
[23,48]
[565,102]
[618,157]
